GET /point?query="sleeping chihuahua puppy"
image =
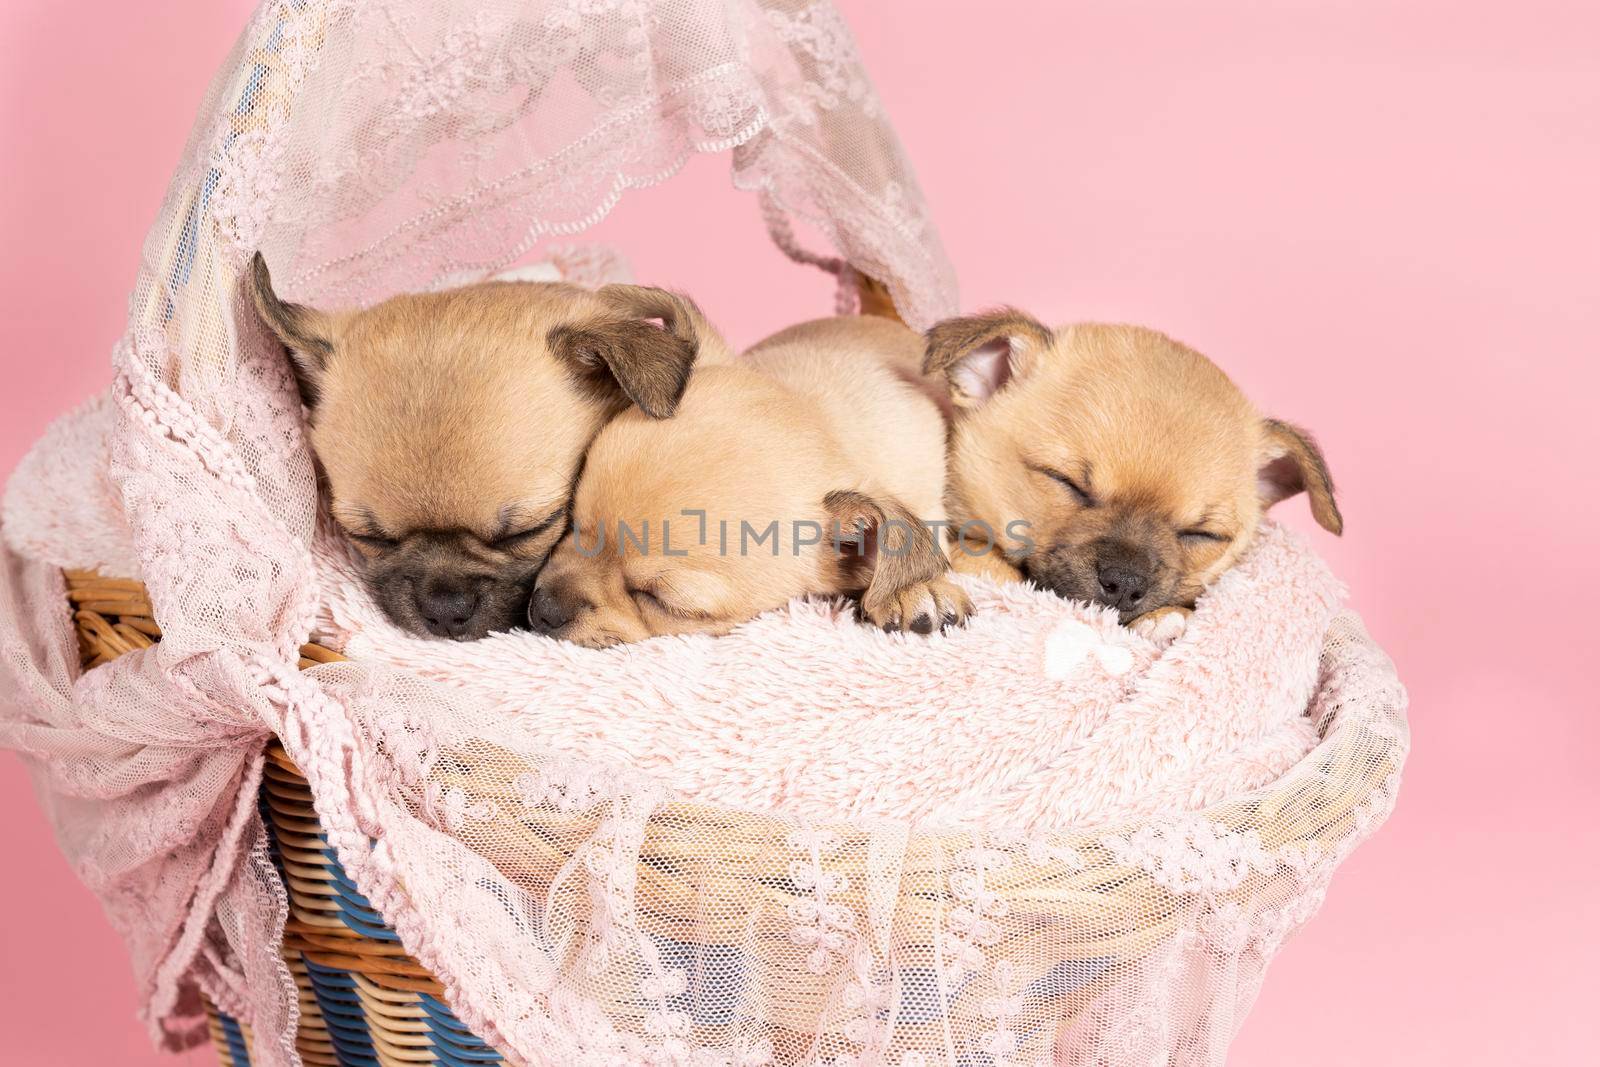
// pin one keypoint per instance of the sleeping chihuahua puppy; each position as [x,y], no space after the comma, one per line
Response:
[449,426]
[805,468]
[1108,463]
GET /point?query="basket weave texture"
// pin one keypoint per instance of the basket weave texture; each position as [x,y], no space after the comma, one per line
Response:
[362,998]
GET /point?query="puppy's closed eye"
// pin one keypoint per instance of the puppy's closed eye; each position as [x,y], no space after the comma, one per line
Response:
[646,599]
[510,542]
[649,601]
[1082,495]
[515,540]
[373,542]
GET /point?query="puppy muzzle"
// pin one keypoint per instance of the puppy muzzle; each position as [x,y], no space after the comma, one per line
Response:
[453,606]
[1113,574]
[548,614]
[556,610]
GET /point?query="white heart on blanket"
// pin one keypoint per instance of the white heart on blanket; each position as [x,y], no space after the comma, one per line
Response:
[1072,641]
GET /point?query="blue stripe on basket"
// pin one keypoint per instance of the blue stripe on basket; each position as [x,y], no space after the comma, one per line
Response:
[375,931]
[1066,976]
[920,1001]
[455,1057]
[469,1045]
[480,1053]
[351,1016]
[341,1009]
[711,967]
[234,1036]
[272,834]
[440,1015]
[452,1042]
[352,1046]
[355,910]
[346,887]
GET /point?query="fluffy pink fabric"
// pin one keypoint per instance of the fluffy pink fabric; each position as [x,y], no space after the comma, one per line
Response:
[1041,713]
[60,506]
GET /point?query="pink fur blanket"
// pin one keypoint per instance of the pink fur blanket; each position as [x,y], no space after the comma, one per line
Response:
[1040,713]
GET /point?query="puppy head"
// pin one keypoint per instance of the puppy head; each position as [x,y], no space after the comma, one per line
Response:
[735,506]
[449,427]
[1110,463]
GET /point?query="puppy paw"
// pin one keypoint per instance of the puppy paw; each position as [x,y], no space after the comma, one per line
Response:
[1163,625]
[920,608]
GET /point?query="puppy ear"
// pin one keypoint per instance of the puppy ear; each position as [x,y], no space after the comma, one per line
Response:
[1291,462]
[677,313]
[979,354]
[305,332]
[884,538]
[649,363]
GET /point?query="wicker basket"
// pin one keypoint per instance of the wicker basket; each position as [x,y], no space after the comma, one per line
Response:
[363,1001]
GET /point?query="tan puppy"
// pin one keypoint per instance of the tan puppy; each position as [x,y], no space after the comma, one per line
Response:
[449,426]
[1108,463]
[803,469]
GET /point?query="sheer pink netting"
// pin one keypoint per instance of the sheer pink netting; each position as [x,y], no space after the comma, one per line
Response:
[372,147]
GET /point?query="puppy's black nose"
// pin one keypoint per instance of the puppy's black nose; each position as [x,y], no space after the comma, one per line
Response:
[546,613]
[1121,587]
[447,610]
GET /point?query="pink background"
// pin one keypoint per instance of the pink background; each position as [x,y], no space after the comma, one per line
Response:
[1381,218]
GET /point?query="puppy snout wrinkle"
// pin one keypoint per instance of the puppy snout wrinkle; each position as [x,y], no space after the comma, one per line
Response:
[447,609]
[548,614]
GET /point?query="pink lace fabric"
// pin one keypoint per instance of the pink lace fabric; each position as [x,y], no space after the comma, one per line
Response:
[375,146]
